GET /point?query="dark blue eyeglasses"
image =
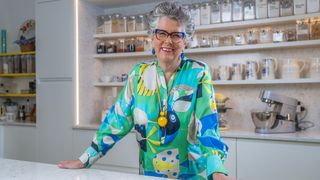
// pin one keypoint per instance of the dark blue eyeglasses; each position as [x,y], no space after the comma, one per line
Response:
[162,35]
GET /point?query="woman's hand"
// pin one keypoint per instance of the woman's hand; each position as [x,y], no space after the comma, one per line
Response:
[71,164]
[220,176]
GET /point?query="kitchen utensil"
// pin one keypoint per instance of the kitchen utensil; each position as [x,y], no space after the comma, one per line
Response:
[252,69]
[269,68]
[291,69]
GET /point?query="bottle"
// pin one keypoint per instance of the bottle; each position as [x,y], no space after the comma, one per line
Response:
[226,11]
[28,107]
[116,23]
[3,41]
[195,14]
[205,14]
[249,9]
[140,23]
[107,24]
[22,113]
[131,24]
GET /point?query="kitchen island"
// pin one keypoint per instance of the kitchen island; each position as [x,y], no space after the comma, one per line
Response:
[25,170]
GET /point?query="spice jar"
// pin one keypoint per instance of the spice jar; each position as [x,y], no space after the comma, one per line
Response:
[140,23]
[123,24]
[121,46]
[261,9]
[265,35]
[147,44]
[131,47]
[277,35]
[111,47]
[237,10]
[299,6]
[228,40]
[195,14]
[131,24]
[303,30]
[252,36]
[249,9]
[204,43]
[107,24]
[139,44]
[116,23]
[101,47]
[273,8]
[215,41]
[290,33]
[226,11]
[194,41]
[215,12]
[286,8]
[205,11]
[313,6]
[239,39]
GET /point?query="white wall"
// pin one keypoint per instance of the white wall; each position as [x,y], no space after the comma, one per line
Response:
[1,141]
[12,14]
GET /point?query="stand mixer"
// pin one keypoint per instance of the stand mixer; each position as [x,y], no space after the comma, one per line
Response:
[280,115]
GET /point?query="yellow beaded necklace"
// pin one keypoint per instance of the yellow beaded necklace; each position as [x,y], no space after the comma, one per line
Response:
[162,119]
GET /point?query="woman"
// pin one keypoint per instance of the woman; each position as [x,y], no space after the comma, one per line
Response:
[170,103]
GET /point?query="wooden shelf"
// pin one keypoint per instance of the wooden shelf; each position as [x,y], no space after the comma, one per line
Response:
[18,75]
[248,47]
[17,95]
[17,53]
[236,82]
[121,35]
[256,22]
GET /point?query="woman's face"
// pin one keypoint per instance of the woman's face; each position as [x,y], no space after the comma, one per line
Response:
[168,50]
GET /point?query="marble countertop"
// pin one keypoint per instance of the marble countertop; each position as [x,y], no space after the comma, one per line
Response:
[24,170]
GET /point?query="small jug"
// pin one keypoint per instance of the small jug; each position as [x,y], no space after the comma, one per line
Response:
[252,69]
[291,69]
[315,68]
[269,68]
[237,71]
[224,72]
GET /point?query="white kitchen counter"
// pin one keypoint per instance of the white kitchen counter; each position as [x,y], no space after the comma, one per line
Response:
[24,170]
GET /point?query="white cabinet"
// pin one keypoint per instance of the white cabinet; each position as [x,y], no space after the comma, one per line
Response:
[19,142]
[124,156]
[230,163]
[56,39]
[277,160]
[1,141]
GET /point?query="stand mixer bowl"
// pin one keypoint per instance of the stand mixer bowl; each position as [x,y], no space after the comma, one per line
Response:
[263,120]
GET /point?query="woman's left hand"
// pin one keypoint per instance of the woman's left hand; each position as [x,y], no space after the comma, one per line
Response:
[220,176]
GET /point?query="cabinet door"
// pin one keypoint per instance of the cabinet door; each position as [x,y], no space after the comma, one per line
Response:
[55,33]
[124,156]
[55,118]
[265,160]
[230,163]
[19,142]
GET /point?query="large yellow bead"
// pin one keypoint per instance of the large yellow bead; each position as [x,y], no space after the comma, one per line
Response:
[162,120]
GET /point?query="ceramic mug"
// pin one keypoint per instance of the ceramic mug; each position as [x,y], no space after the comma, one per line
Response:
[237,71]
[252,69]
[269,68]
[291,69]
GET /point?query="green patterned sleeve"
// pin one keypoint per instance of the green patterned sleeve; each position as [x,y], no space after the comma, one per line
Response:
[115,126]
[212,149]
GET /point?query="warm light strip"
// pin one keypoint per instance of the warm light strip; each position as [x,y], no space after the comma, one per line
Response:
[77,63]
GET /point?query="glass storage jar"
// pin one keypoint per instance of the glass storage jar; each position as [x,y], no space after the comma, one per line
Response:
[147,44]
[17,64]
[131,24]
[290,33]
[141,23]
[261,9]
[273,8]
[249,9]
[286,7]
[303,30]
[101,47]
[131,47]
[299,7]
[205,11]
[195,14]
[121,47]
[226,11]
[100,24]
[313,6]
[204,43]
[107,24]
[139,44]
[215,12]
[111,47]
[278,35]
[116,23]
[215,40]
[23,60]
[240,39]
[265,35]
[123,24]
[237,10]
[315,28]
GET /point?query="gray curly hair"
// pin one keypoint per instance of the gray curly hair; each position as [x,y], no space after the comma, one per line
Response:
[172,10]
